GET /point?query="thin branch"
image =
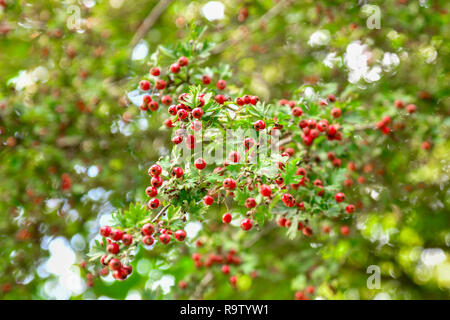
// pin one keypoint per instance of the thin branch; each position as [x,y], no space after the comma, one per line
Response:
[161,212]
[202,285]
[149,21]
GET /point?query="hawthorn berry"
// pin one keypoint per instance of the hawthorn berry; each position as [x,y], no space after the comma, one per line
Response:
[155,170]
[151,191]
[160,84]
[196,125]
[119,275]
[259,125]
[411,108]
[115,264]
[116,234]
[182,114]
[297,111]
[345,230]
[148,240]
[248,143]
[166,100]
[175,68]
[331,97]
[177,172]
[156,181]
[288,200]
[208,200]
[197,113]
[339,197]
[246,224]
[127,270]
[200,164]
[172,110]
[153,106]
[183,61]
[164,238]
[226,218]
[148,229]
[103,260]
[350,208]
[254,100]
[265,190]
[182,284]
[206,79]
[105,231]
[177,139]
[250,203]
[399,104]
[229,184]
[155,71]
[112,248]
[234,156]
[282,221]
[153,203]
[144,85]
[221,84]
[127,239]
[180,235]
[225,269]
[220,98]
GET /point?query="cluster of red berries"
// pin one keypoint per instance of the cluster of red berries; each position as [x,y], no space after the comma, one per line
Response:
[305,293]
[383,124]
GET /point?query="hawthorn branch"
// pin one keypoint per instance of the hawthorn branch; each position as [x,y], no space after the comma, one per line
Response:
[163,210]
[149,21]
[202,285]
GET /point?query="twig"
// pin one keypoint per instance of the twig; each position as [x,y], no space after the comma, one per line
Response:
[202,285]
[161,212]
[149,21]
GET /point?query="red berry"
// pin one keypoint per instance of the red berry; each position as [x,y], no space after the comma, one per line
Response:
[147,229]
[166,100]
[297,112]
[411,108]
[350,208]
[177,139]
[151,191]
[127,239]
[288,200]
[226,218]
[155,71]
[180,235]
[177,172]
[331,97]
[183,61]
[234,156]
[153,203]
[246,224]
[229,184]
[119,275]
[265,190]
[160,84]
[254,100]
[175,68]
[220,98]
[148,240]
[112,248]
[182,284]
[155,170]
[164,238]
[206,79]
[208,200]
[259,125]
[233,280]
[250,203]
[197,113]
[221,84]
[196,125]
[127,270]
[116,234]
[144,85]
[168,123]
[248,143]
[340,197]
[345,230]
[115,264]
[225,269]
[182,114]
[200,164]
[399,104]
[105,231]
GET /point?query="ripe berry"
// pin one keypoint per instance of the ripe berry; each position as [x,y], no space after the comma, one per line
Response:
[153,203]
[200,164]
[175,68]
[164,238]
[115,264]
[411,108]
[282,221]
[182,114]
[147,229]
[127,270]
[206,79]
[177,139]
[254,100]
[180,235]
[144,85]
[112,248]
[240,101]
[340,197]
[229,184]
[155,71]
[345,230]
[166,100]
[350,208]
[225,269]
[103,260]
[234,156]
[127,239]
[119,275]
[151,191]
[246,224]
[248,143]
[288,200]
[399,104]
[105,231]
[208,200]
[226,218]
[221,84]
[265,190]
[156,181]
[297,112]
[172,110]
[155,170]
[197,113]
[233,280]
[250,203]
[183,61]
[196,125]
[177,172]
[116,234]
[220,98]
[331,97]
[259,125]
[148,240]
[190,141]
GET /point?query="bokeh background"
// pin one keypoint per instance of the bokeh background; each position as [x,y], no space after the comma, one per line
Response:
[73,149]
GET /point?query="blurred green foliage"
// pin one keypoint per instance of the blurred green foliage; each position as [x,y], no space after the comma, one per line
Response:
[73,149]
